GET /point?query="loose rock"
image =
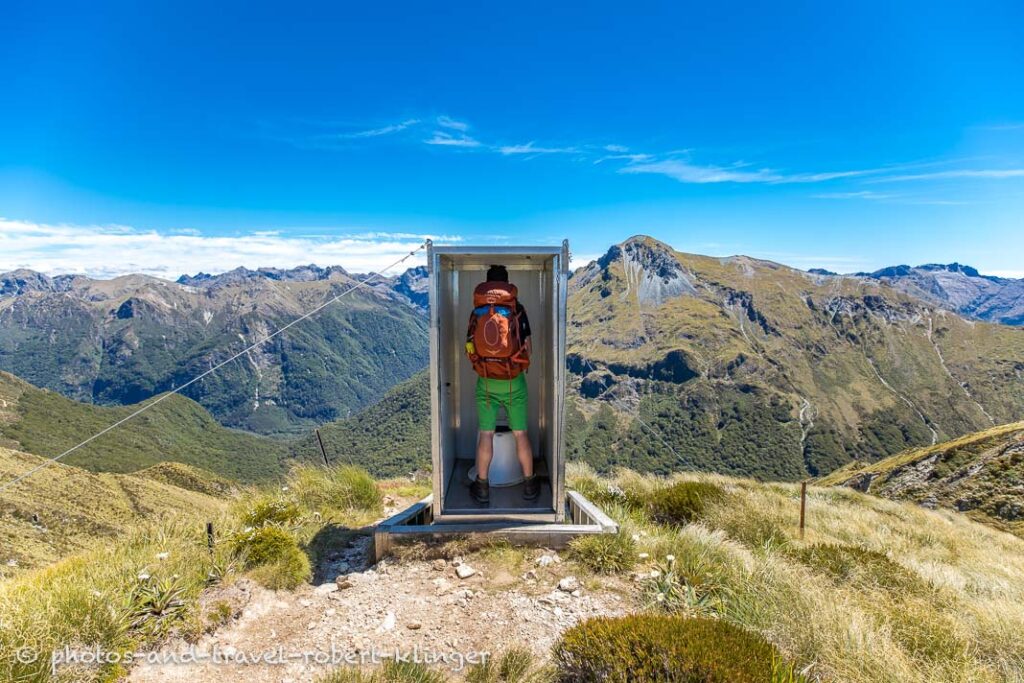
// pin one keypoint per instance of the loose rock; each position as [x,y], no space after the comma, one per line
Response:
[569,584]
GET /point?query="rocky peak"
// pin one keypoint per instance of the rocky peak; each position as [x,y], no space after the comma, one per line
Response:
[651,267]
[20,281]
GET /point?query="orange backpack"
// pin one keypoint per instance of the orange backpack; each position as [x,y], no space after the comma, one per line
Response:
[495,332]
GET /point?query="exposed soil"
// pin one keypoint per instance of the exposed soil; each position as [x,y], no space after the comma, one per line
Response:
[414,604]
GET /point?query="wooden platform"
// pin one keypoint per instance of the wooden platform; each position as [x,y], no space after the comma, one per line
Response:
[417,521]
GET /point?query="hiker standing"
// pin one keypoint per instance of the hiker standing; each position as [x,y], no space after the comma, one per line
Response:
[499,346]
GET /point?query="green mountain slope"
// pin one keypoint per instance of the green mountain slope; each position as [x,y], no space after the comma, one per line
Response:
[178,429]
[124,340]
[749,367]
[63,509]
[980,474]
[389,439]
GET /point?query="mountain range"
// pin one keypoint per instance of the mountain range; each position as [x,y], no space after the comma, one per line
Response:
[957,288]
[741,365]
[677,361]
[121,341]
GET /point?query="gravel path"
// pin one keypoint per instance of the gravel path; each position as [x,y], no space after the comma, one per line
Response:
[424,608]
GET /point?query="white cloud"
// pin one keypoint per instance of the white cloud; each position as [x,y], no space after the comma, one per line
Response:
[579,260]
[448,140]
[448,122]
[990,173]
[686,172]
[616,149]
[1015,274]
[531,148]
[377,132]
[110,250]
[623,157]
[863,194]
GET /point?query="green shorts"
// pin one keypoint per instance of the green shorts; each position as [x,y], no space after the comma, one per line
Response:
[507,393]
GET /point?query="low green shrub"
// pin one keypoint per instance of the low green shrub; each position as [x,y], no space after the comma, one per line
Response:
[648,647]
[683,502]
[604,553]
[341,488]
[271,511]
[274,557]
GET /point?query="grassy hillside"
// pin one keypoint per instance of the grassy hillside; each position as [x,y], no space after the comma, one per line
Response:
[144,585]
[61,509]
[177,429]
[389,439]
[750,367]
[980,474]
[878,590]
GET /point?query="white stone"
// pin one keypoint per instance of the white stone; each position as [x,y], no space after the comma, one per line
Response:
[325,588]
[547,560]
[464,571]
[388,624]
[569,584]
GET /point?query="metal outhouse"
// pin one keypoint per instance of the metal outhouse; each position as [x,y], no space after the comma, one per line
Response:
[540,274]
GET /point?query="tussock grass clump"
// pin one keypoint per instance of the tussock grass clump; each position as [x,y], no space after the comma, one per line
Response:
[683,502]
[515,665]
[274,556]
[389,672]
[650,647]
[604,553]
[628,489]
[853,564]
[120,597]
[271,511]
[345,488]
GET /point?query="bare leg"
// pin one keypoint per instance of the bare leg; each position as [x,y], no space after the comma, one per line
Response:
[524,450]
[484,453]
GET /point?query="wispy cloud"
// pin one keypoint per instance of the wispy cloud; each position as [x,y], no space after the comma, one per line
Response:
[987,173]
[616,149]
[1015,274]
[863,194]
[453,124]
[1011,125]
[111,250]
[687,172]
[623,157]
[532,148]
[446,139]
[377,132]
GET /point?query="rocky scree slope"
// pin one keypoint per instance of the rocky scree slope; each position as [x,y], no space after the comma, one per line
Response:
[980,474]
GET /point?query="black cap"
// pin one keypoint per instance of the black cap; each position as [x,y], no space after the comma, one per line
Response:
[497,274]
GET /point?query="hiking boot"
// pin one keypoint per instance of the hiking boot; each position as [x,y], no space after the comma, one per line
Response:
[531,488]
[480,491]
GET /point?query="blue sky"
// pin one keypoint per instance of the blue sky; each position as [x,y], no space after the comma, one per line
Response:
[173,137]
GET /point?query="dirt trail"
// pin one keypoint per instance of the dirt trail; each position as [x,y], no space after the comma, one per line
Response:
[359,611]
